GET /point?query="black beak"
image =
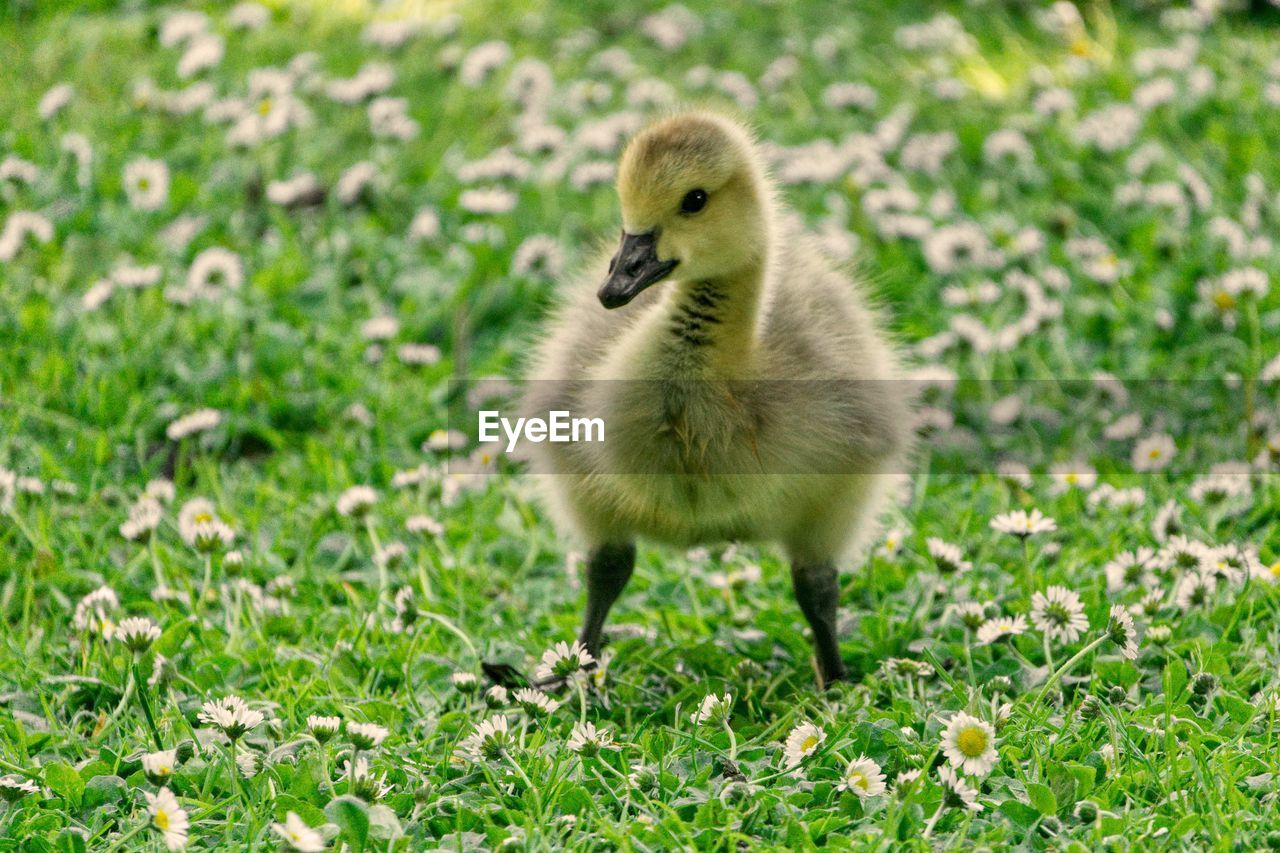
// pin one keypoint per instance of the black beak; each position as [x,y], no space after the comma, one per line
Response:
[635,267]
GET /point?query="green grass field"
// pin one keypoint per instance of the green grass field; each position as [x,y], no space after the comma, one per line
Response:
[1038,200]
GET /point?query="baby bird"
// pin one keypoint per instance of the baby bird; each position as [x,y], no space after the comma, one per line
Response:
[749,396]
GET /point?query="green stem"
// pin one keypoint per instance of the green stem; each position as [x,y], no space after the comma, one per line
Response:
[145,702]
[537,797]
[1066,667]
[235,777]
[733,741]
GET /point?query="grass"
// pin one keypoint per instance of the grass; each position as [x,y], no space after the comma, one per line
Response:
[1175,748]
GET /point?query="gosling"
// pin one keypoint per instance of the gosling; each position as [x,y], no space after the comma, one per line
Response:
[751,397]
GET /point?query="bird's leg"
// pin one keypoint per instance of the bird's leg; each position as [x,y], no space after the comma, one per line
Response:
[818,592]
[608,570]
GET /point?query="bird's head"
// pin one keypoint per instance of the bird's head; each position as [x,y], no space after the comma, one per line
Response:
[694,202]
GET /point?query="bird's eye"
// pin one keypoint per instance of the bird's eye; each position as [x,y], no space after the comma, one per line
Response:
[693,201]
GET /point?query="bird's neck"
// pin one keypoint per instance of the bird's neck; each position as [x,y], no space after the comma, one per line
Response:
[712,324]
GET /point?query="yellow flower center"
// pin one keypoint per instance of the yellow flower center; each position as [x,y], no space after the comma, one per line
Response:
[1224,301]
[143,183]
[202,517]
[1073,479]
[972,741]
[1080,47]
[811,742]
[162,819]
[264,106]
[858,780]
[1275,569]
[1153,453]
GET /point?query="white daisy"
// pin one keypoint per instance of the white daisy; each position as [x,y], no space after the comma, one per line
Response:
[323,728]
[803,741]
[1122,631]
[1059,614]
[1022,524]
[230,715]
[14,788]
[465,682]
[137,633]
[959,793]
[489,742]
[146,183]
[862,777]
[534,702]
[948,558]
[970,744]
[366,735]
[201,420]
[1000,628]
[714,709]
[1073,475]
[1131,570]
[1153,453]
[295,832]
[356,501]
[1194,590]
[168,817]
[587,740]
[214,269]
[563,660]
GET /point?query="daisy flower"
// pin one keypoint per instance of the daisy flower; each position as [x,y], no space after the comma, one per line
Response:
[862,777]
[1132,569]
[1073,475]
[563,660]
[970,744]
[213,269]
[1022,524]
[1122,631]
[465,682]
[1195,589]
[1153,453]
[323,728]
[356,501]
[295,832]
[714,709]
[93,612]
[1059,614]
[137,633]
[948,558]
[168,817]
[366,735]
[803,741]
[587,740]
[489,742]
[1000,628]
[972,614]
[362,782]
[959,793]
[230,715]
[14,788]
[497,696]
[146,183]
[1183,554]
[534,702]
